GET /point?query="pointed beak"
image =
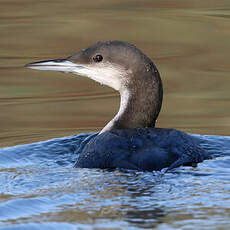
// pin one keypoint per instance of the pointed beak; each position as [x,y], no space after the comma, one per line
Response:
[63,65]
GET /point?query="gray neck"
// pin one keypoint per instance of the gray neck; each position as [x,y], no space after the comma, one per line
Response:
[140,104]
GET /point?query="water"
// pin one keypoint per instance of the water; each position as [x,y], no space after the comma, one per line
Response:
[41,190]
[189,43]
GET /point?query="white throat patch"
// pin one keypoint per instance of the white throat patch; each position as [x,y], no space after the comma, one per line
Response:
[106,74]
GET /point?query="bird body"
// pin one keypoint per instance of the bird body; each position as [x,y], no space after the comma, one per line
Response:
[142,149]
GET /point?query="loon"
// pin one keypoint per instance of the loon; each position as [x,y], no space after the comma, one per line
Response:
[130,140]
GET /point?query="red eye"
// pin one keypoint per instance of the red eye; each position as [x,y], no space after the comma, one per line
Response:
[98,58]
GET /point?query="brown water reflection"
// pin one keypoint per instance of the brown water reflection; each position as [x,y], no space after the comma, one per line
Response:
[188,40]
